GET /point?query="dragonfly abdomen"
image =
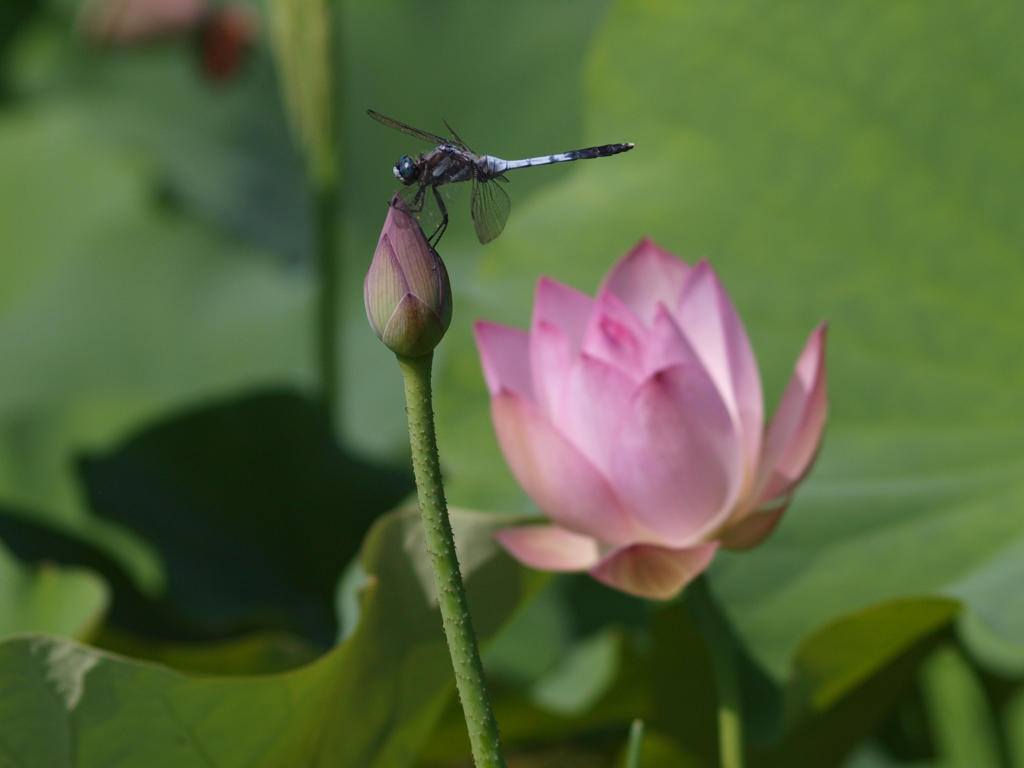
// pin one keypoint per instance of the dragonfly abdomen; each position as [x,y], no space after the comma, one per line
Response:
[499,166]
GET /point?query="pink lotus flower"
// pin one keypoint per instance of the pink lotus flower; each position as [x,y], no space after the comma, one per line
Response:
[635,422]
[225,33]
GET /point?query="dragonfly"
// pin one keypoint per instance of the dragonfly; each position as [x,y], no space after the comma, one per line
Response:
[452,162]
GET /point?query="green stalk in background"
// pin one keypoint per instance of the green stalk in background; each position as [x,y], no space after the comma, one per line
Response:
[635,746]
[328,309]
[722,649]
[307,56]
[967,729]
[451,593]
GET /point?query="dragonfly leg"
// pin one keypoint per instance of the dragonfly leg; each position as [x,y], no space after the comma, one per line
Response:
[417,202]
[435,238]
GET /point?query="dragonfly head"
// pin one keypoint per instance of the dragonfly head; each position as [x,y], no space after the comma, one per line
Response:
[405,170]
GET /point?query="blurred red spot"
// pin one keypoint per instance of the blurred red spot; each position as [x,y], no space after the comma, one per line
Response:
[225,39]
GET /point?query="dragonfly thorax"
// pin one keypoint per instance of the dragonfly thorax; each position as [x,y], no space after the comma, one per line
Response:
[405,170]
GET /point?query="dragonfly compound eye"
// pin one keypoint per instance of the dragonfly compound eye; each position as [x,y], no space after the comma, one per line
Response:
[405,169]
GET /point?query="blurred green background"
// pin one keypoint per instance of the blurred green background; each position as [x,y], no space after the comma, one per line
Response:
[170,489]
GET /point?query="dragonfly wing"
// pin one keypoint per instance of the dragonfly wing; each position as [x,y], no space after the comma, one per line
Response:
[458,142]
[392,123]
[490,207]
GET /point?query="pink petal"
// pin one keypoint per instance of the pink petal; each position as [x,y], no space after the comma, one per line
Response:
[709,320]
[646,276]
[754,528]
[549,547]
[129,21]
[667,346]
[384,286]
[616,336]
[566,486]
[504,355]
[560,317]
[653,572]
[677,463]
[563,307]
[795,433]
[595,400]
[551,357]
[414,329]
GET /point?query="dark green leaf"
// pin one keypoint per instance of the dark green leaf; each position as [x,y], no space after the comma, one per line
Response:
[44,546]
[845,678]
[259,653]
[844,653]
[370,702]
[255,509]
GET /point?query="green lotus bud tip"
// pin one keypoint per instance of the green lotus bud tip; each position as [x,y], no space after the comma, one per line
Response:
[407,293]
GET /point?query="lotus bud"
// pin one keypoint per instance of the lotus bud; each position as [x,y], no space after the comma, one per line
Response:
[407,293]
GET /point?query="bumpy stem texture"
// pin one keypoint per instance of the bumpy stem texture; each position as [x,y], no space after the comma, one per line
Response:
[451,592]
[722,649]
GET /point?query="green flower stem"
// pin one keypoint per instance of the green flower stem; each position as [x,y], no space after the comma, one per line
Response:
[451,592]
[328,291]
[722,649]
